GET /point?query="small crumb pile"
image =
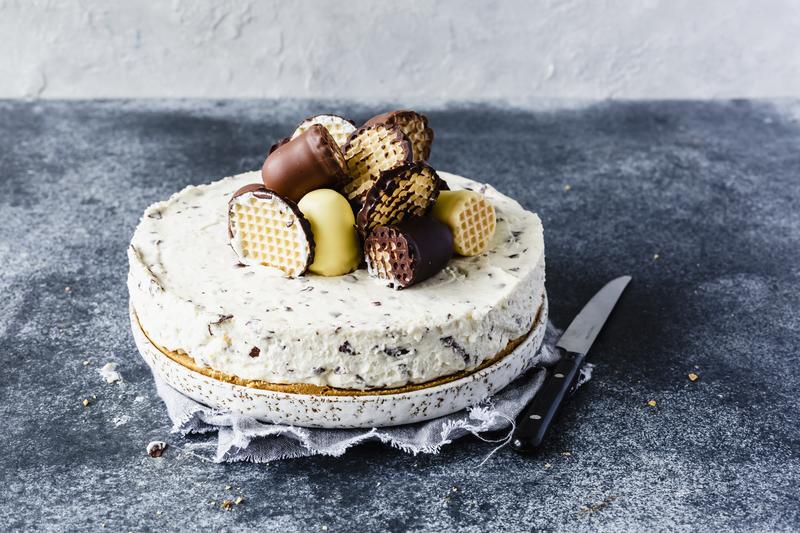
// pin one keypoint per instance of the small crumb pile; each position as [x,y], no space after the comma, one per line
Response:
[109,373]
[156,448]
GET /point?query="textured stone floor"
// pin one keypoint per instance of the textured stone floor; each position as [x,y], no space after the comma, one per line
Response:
[699,202]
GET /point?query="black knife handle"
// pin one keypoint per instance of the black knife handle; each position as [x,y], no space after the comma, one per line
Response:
[535,419]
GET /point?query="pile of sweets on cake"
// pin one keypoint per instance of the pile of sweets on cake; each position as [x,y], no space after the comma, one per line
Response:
[333,194]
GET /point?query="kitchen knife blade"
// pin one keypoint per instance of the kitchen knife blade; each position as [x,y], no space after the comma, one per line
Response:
[535,419]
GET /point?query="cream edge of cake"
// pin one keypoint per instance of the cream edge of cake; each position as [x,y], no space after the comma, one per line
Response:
[191,295]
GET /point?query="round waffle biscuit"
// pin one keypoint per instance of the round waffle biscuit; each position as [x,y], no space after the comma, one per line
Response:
[405,191]
[266,229]
[414,126]
[471,218]
[389,257]
[370,151]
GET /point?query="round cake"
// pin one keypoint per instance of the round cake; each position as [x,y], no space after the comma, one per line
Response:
[250,324]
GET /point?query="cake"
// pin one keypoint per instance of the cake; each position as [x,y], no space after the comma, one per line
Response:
[202,304]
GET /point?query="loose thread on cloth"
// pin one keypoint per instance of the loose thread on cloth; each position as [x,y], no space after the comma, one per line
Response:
[243,438]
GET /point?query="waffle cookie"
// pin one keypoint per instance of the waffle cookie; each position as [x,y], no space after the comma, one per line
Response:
[409,252]
[340,128]
[370,151]
[405,191]
[266,229]
[413,125]
[471,218]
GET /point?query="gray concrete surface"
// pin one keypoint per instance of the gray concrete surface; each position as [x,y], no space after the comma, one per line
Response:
[699,202]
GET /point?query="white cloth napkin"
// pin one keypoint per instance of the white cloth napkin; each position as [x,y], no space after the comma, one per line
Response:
[243,438]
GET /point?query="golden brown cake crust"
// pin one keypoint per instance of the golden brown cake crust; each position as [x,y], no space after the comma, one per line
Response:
[306,388]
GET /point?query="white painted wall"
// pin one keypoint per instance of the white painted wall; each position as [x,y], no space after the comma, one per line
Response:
[410,51]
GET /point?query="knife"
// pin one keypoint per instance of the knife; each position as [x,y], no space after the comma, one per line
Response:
[535,419]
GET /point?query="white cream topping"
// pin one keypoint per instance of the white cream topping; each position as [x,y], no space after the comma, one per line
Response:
[190,294]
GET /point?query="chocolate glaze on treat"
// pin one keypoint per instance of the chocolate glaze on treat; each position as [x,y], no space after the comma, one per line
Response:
[278,144]
[409,252]
[257,189]
[414,125]
[311,161]
[402,192]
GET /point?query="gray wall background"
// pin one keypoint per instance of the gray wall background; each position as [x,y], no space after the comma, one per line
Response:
[414,51]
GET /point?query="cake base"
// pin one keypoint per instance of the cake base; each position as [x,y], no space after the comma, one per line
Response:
[327,407]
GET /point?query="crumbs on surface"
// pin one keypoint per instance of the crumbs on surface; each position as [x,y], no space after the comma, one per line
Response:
[228,505]
[599,506]
[156,448]
[109,373]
